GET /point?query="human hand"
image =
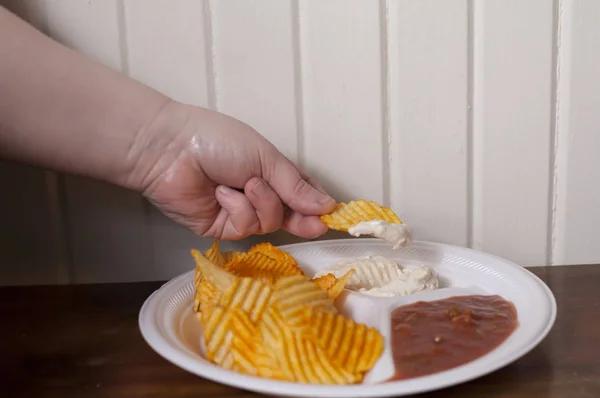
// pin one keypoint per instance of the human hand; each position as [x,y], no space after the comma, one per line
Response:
[221,179]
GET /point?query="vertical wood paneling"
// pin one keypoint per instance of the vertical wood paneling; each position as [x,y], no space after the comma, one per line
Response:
[254,63]
[428,48]
[171,58]
[340,57]
[512,111]
[109,239]
[578,139]
[91,27]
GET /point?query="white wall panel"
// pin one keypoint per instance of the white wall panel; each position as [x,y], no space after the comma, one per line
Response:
[428,52]
[512,127]
[576,234]
[254,63]
[169,57]
[340,64]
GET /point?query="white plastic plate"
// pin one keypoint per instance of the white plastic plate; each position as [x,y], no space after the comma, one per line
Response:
[169,326]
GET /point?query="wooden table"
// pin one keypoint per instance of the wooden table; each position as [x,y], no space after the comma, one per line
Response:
[84,341]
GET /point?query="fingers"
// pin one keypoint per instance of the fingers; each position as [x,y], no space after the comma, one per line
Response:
[294,190]
[266,203]
[260,210]
[312,181]
[237,218]
[308,227]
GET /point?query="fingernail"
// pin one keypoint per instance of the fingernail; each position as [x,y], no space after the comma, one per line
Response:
[224,190]
[259,187]
[325,199]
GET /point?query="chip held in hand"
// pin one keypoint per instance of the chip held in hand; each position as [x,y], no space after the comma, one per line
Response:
[363,217]
[346,215]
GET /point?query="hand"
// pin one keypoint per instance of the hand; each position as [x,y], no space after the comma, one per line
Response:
[221,179]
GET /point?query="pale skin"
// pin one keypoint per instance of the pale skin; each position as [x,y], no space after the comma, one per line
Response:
[205,170]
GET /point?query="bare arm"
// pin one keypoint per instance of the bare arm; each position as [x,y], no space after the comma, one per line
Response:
[62,111]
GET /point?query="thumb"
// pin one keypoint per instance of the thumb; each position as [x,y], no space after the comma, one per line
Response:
[237,218]
[295,191]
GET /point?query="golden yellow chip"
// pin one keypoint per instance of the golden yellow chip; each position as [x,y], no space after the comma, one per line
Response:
[206,298]
[280,256]
[243,345]
[332,285]
[212,282]
[294,295]
[254,262]
[248,350]
[218,337]
[229,255]
[299,359]
[348,344]
[250,295]
[205,295]
[346,215]
[213,273]
[214,254]
[246,294]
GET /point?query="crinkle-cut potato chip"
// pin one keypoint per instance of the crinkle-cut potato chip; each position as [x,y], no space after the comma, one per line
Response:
[251,295]
[217,257]
[218,337]
[246,294]
[246,262]
[243,345]
[260,265]
[263,317]
[229,255]
[214,254]
[299,359]
[280,256]
[294,293]
[332,285]
[350,345]
[206,295]
[249,352]
[206,299]
[346,215]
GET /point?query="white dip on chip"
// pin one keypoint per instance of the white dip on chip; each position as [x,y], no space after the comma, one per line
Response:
[398,234]
[380,276]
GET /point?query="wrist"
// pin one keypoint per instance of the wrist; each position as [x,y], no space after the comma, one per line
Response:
[157,146]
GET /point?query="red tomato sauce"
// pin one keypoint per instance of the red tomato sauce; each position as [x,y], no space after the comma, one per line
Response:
[429,337]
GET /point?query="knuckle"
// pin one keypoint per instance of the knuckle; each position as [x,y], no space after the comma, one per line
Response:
[300,188]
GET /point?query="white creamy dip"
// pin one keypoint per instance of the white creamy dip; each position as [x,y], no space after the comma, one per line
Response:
[380,276]
[398,234]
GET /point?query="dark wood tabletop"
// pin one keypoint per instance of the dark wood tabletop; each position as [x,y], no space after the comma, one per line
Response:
[84,341]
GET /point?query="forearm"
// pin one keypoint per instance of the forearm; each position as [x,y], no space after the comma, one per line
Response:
[62,111]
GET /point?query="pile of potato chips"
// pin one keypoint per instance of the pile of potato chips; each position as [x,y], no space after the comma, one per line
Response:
[262,316]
